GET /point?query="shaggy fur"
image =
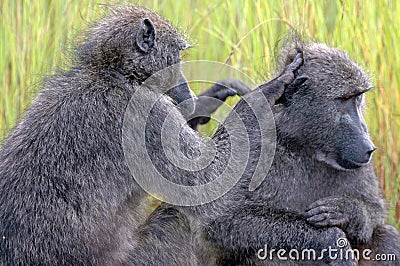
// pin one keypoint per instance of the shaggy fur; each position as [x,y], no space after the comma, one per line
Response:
[321,185]
[66,193]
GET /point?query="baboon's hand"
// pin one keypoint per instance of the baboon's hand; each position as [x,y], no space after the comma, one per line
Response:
[221,90]
[224,88]
[330,211]
[234,84]
[274,89]
[347,213]
[287,75]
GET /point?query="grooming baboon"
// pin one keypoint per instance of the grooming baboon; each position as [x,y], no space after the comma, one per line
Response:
[238,224]
[321,185]
[66,193]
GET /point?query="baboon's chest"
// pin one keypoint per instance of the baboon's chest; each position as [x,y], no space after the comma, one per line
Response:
[294,190]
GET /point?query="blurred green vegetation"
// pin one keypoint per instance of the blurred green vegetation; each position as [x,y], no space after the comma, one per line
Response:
[36,34]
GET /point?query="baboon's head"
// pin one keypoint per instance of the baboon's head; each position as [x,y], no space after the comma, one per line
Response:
[322,110]
[136,43]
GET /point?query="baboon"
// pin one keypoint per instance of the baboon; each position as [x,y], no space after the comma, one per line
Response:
[66,193]
[235,226]
[321,185]
[68,197]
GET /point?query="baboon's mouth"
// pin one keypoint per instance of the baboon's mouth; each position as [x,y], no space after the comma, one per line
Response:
[338,162]
[350,164]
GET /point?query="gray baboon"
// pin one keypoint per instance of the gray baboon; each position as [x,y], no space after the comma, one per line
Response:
[66,194]
[240,222]
[321,185]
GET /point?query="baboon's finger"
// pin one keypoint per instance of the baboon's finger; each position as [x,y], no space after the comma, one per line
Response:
[225,93]
[318,210]
[288,74]
[296,63]
[318,218]
[322,202]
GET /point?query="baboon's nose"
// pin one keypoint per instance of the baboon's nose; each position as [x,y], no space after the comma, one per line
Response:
[372,150]
[369,153]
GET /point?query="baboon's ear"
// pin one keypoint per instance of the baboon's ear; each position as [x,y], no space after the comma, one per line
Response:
[146,35]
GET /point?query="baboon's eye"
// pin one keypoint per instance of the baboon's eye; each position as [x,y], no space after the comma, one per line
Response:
[349,96]
[346,97]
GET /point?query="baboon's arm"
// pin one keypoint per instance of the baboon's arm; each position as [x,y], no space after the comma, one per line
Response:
[256,226]
[273,90]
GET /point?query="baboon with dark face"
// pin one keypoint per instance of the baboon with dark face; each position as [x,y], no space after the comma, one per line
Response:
[66,193]
[235,226]
[322,185]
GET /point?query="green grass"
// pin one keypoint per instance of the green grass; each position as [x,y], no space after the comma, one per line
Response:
[242,33]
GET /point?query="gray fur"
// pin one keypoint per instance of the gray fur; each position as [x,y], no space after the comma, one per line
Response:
[68,197]
[66,193]
[321,185]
